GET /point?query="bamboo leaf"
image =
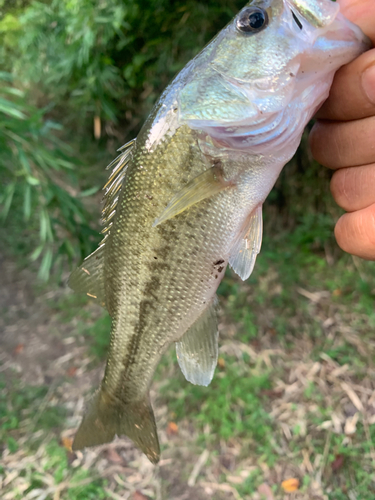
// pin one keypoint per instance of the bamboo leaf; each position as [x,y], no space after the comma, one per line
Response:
[10,109]
[89,192]
[33,181]
[24,161]
[46,264]
[8,198]
[27,202]
[36,253]
[43,225]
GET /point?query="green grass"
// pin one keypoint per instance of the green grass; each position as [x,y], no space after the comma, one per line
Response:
[29,420]
[231,405]
[26,408]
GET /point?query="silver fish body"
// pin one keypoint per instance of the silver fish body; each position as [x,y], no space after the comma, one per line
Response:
[185,198]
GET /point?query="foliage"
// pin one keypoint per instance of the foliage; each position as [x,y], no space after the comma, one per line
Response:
[33,162]
[105,58]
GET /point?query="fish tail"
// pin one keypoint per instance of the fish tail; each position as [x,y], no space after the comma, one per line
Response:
[106,416]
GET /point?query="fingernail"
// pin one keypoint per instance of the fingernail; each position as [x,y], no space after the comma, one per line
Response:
[368,83]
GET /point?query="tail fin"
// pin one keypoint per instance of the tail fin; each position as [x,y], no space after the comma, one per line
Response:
[105,417]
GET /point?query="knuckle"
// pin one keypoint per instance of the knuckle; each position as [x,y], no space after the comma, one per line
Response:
[337,187]
[317,142]
[343,188]
[341,233]
[355,233]
[328,144]
[353,188]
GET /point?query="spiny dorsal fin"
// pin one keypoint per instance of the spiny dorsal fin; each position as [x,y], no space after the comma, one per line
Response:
[114,183]
[245,251]
[197,351]
[88,277]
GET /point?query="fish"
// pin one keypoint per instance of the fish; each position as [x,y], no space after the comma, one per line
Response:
[184,199]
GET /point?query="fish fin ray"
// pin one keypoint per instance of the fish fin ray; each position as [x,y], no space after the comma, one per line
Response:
[115,181]
[88,277]
[244,254]
[201,187]
[197,350]
[106,417]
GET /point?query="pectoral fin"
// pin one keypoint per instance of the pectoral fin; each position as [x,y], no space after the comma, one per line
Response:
[245,251]
[204,186]
[197,351]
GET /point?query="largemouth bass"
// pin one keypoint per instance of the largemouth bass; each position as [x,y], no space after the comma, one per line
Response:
[185,198]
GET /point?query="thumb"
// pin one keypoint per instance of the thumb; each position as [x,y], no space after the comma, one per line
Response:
[361,12]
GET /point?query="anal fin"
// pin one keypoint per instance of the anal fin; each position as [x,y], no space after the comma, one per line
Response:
[88,277]
[244,254]
[201,187]
[197,351]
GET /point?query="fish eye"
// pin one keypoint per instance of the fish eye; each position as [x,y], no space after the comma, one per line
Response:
[252,20]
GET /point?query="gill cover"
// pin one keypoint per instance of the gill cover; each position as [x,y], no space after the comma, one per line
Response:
[319,13]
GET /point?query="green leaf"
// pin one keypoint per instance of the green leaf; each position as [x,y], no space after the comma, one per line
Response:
[36,253]
[33,181]
[89,192]
[27,202]
[45,231]
[9,108]
[13,91]
[8,198]
[46,264]
[24,161]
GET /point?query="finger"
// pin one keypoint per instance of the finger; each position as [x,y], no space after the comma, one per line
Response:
[352,95]
[355,233]
[361,12]
[353,188]
[343,144]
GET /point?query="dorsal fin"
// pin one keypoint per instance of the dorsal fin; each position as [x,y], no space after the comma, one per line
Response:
[114,183]
[88,277]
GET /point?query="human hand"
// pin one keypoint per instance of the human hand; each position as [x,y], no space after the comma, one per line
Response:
[343,139]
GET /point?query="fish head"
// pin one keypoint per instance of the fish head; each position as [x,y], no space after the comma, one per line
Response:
[265,74]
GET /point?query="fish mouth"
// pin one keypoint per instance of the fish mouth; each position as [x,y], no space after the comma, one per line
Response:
[351,32]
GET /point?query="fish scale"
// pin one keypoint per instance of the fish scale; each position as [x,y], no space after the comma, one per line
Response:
[191,188]
[178,278]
